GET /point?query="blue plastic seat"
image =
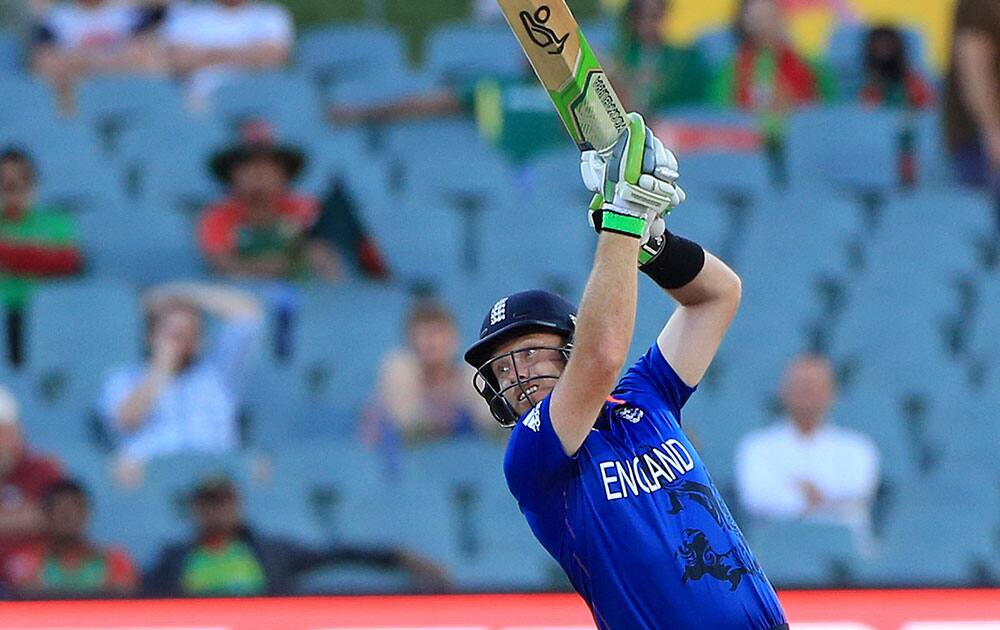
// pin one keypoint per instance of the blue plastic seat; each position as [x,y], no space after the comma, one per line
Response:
[27,102]
[800,554]
[72,172]
[11,53]
[160,246]
[287,100]
[176,175]
[345,52]
[462,52]
[845,145]
[76,331]
[340,337]
[715,173]
[718,47]
[121,100]
[380,88]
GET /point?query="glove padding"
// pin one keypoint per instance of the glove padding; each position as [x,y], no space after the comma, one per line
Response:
[638,175]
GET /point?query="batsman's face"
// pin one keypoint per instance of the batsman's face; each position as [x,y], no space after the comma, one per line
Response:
[528,368]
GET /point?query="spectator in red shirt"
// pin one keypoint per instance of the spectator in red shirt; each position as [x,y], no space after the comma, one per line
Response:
[766,74]
[890,80]
[66,563]
[25,478]
[262,228]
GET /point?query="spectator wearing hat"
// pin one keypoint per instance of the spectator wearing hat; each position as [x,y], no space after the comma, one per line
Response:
[36,242]
[182,398]
[228,557]
[25,479]
[65,562]
[261,229]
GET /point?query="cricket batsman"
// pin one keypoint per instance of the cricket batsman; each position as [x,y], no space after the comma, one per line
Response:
[601,468]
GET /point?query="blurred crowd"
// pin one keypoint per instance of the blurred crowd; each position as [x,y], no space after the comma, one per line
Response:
[185,395]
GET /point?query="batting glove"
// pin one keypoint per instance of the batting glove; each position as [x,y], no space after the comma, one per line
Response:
[639,176]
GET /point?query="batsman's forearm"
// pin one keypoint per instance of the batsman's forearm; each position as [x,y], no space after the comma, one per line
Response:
[606,316]
[716,282]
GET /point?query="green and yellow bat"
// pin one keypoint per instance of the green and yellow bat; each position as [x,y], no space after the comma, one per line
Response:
[569,70]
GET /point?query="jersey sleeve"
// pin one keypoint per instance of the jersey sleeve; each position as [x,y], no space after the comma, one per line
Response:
[535,465]
[653,373]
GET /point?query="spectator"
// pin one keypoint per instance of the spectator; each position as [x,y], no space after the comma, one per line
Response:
[66,563]
[227,557]
[261,229]
[889,78]
[972,96]
[35,242]
[210,42]
[423,392]
[654,75]
[766,74]
[83,37]
[181,398]
[25,479]
[806,467]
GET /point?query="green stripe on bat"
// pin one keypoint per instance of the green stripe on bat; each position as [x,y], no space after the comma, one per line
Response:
[565,97]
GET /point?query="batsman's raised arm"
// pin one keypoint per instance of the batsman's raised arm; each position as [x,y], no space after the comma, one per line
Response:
[707,306]
[637,177]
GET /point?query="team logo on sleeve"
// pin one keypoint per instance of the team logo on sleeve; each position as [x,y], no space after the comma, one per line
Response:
[630,414]
[534,419]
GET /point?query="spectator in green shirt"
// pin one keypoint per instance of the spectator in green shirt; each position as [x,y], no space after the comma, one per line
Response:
[651,74]
[35,242]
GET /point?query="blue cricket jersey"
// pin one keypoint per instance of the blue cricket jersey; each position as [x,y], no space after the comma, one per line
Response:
[634,518]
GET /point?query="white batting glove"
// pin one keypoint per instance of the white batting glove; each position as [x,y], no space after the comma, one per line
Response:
[639,175]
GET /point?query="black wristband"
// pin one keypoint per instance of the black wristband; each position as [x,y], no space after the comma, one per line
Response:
[671,261]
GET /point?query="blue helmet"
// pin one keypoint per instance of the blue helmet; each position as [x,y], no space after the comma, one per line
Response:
[513,316]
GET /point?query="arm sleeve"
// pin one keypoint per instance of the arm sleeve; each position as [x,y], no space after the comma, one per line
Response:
[858,476]
[233,348]
[535,465]
[117,387]
[763,489]
[215,234]
[653,373]
[278,27]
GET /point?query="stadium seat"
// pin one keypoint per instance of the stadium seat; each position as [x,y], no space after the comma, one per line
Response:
[379,89]
[349,52]
[845,146]
[72,171]
[27,102]
[113,102]
[76,331]
[945,557]
[719,174]
[176,176]
[846,50]
[800,554]
[718,47]
[11,54]
[160,246]
[459,53]
[340,337]
[289,101]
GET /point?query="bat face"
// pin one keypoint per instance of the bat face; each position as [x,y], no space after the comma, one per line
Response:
[567,67]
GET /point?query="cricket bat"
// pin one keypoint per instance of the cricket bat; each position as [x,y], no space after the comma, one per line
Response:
[569,70]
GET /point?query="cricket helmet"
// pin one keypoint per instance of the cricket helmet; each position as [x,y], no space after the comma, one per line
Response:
[519,314]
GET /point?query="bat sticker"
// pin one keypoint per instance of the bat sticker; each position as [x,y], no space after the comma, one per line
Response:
[542,35]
